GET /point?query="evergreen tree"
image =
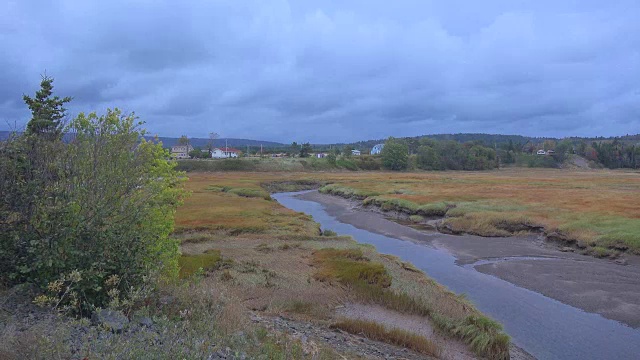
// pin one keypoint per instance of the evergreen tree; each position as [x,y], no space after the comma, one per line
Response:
[47,111]
[305,150]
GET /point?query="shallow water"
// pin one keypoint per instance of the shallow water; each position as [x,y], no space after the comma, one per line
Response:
[544,327]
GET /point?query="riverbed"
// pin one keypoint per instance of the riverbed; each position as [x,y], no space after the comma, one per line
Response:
[510,279]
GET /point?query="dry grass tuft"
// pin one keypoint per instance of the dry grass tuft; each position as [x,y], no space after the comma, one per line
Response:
[378,332]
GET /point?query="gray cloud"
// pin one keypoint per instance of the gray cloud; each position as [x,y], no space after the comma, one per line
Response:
[333,70]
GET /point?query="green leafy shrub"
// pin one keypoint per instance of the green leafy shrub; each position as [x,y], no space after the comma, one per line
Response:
[101,204]
[329,232]
[395,155]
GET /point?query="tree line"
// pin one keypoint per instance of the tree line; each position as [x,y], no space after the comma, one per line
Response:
[431,154]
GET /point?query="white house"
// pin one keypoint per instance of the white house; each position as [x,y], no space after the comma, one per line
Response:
[321,155]
[355,152]
[181,151]
[225,152]
[377,149]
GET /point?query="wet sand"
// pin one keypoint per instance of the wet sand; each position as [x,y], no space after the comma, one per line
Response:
[594,285]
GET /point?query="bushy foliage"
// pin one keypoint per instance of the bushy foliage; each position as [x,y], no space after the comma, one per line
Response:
[614,154]
[395,155]
[451,155]
[101,205]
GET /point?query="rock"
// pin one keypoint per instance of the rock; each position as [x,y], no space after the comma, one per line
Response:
[115,321]
[145,321]
[167,300]
[620,261]
[566,249]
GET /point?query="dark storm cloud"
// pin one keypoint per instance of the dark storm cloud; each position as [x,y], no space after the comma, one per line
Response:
[332,70]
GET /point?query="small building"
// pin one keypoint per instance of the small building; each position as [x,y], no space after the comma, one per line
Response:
[377,149]
[321,155]
[541,152]
[181,151]
[225,152]
[355,152]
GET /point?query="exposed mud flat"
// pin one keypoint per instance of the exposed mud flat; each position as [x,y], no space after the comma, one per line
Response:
[594,285]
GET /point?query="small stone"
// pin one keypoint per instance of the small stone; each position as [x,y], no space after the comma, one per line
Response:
[145,321]
[112,320]
[620,261]
[566,249]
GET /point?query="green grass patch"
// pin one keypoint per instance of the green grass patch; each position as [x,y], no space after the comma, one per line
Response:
[329,233]
[349,267]
[611,231]
[484,335]
[250,193]
[291,185]
[191,264]
[402,205]
[346,192]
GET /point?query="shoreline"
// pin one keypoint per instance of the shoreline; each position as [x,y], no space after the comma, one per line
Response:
[593,285]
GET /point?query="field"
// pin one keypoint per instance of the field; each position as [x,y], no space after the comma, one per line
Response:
[596,210]
[276,261]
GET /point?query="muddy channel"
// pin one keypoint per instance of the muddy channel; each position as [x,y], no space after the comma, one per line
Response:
[553,304]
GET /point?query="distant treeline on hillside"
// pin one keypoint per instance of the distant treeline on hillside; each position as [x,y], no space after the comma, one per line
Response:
[495,140]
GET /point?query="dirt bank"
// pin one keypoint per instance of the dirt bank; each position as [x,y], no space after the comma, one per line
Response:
[594,285]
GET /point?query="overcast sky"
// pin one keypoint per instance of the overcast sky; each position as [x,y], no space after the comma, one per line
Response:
[332,71]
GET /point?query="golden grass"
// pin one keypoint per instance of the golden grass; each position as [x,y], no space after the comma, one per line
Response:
[591,206]
[378,332]
[281,263]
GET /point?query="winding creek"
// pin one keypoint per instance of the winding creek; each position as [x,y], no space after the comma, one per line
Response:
[544,327]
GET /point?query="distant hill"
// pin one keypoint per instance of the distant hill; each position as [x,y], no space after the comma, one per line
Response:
[496,139]
[487,139]
[198,142]
[202,142]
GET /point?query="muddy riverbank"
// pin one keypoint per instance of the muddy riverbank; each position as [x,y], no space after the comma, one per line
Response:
[595,285]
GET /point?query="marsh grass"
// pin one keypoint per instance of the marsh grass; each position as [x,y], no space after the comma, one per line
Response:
[271,277]
[191,264]
[378,332]
[349,266]
[370,282]
[603,206]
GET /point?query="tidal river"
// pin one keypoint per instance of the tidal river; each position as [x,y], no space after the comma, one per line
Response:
[544,327]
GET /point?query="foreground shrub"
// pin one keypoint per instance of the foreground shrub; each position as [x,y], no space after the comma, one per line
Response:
[101,204]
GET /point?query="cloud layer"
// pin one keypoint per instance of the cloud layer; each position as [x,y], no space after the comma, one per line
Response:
[332,71]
